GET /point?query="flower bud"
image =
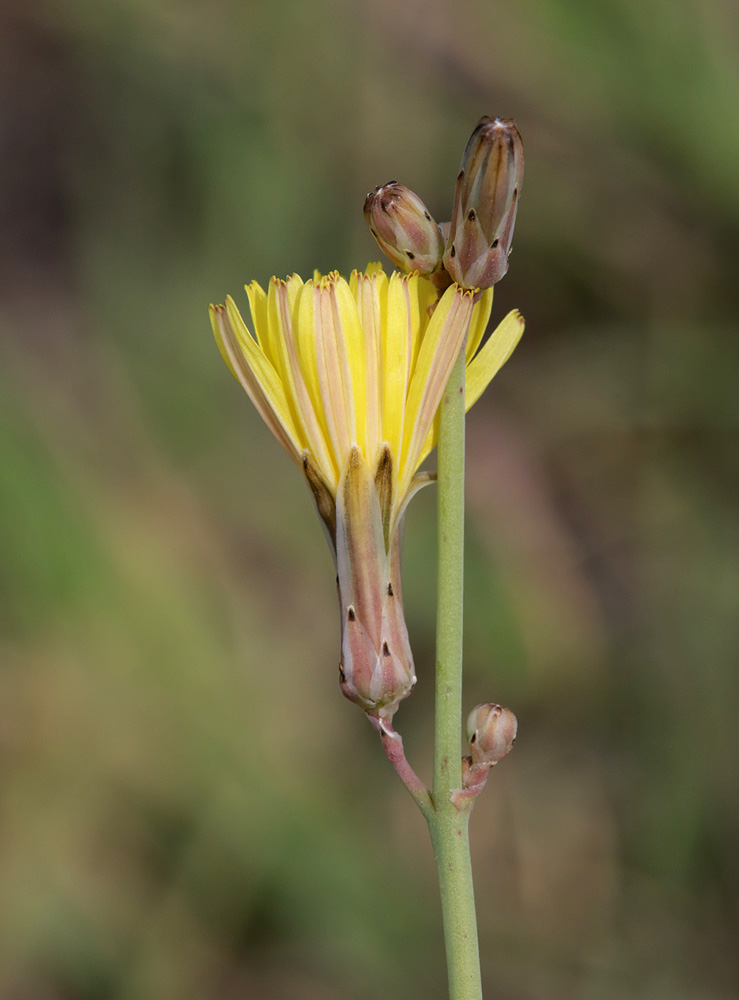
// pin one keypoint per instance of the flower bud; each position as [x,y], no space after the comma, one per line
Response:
[491,730]
[404,228]
[485,203]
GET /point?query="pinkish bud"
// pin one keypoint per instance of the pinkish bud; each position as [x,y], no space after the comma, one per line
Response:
[491,730]
[404,228]
[485,203]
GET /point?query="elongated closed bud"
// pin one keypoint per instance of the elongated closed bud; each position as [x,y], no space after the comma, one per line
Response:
[376,670]
[404,228]
[485,202]
[491,731]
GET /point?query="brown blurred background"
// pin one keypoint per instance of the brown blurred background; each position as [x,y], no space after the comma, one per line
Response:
[188,808]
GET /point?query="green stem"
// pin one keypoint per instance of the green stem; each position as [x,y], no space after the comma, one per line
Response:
[448,824]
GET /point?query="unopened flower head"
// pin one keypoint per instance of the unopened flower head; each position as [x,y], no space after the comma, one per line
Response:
[485,202]
[491,731]
[404,228]
[348,376]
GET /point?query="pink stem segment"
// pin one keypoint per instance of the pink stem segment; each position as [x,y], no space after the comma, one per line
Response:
[392,744]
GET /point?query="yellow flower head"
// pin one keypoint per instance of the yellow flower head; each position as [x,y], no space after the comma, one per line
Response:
[348,376]
[335,364]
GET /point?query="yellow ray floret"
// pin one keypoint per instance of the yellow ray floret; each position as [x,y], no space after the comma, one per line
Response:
[333,365]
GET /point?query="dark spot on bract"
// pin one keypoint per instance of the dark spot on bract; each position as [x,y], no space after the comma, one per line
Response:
[474,738]
[427,216]
[351,614]
[494,244]
[410,255]
[390,590]
[385,649]
[471,215]
[342,675]
[453,251]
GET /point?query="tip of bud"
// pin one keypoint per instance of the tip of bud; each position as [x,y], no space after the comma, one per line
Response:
[498,122]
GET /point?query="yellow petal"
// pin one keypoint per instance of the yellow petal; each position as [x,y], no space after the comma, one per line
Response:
[282,310]
[335,351]
[479,322]
[255,373]
[307,346]
[351,335]
[258,308]
[213,313]
[371,295]
[427,295]
[441,346]
[397,351]
[499,347]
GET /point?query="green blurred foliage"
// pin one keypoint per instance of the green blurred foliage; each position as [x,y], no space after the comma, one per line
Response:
[189,809]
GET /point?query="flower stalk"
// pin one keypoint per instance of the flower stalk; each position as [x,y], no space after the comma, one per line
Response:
[449,824]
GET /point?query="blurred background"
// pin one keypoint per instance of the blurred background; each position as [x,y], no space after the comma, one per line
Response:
[188,808]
